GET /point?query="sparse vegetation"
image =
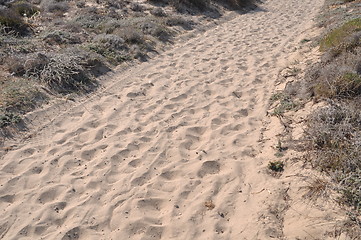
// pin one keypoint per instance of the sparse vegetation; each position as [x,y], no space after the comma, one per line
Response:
[335,136]
[63,45]
[276,166]
[284,103]
[205,4]
[334,131]
[342,37]
[8,119]
[317,187]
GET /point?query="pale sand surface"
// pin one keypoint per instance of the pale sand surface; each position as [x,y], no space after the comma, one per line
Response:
[142,158]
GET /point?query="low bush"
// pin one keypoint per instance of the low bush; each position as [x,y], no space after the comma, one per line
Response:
[8,119]
[237,4]
[340,36]
[54,6]
[284,103]
[159,12]
[89,20]
[334,134]
[131,35]
[13,22]
[179,21]
[24,8]
[60,37]
[157,30]
[337,77]
[110,41]
[112,55]
[19,95]
[63,72]
[15,65]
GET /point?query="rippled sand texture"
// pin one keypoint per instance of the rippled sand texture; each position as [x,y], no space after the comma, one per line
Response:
[170,150]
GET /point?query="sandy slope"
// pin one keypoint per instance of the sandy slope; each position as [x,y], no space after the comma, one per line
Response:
[173,149]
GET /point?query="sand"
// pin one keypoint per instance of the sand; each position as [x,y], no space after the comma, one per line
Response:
[173,148]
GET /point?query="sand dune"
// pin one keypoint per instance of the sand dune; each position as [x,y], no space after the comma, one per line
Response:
[169,150]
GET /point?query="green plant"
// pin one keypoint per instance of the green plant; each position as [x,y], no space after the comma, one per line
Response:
[276,166]
[286,103]
[351,189]
[276,97]
[8,119]
[305,40]
[280,147]
[338,36]
[345,86]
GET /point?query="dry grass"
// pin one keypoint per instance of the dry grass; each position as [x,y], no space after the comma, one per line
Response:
[318,188]
[18,96]
[63,72]
[334,134]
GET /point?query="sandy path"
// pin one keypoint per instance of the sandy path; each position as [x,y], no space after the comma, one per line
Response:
[140,159]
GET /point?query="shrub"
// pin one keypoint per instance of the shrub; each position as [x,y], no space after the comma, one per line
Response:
[18,95]
[136,7]
[35,63]
[13,22]
[156,30]
[337,77]
[344,86]
[338,36]
[110,41]
[54,6]
[159,12]
[80,4]
[110,46]
[15,65]
[24,8]
[285,103]
[334,133]
[237,4]
[60,37]
[64,73]
[8,119]
[179,21]
[90,20]
[131,35]
[276,166]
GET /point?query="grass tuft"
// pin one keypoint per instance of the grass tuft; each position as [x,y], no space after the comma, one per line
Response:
[338,36]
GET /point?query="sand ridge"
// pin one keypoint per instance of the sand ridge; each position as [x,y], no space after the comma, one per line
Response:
[172,151]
